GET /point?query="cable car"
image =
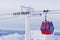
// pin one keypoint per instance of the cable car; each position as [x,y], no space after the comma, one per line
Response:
[47,27]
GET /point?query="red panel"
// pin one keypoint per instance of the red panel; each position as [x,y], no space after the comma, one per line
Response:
[46,32]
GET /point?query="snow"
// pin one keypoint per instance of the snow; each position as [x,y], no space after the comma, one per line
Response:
[12,37]
[36,35]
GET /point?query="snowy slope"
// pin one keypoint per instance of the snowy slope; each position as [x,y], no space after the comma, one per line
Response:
[12,37]
[36,35]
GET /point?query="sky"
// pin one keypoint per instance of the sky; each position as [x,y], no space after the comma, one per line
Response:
[18,22]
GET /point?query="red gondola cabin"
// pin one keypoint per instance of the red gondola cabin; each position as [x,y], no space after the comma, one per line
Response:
[47,27]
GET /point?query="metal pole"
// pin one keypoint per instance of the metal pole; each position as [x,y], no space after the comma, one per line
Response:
[27,28]
[45,16]
[45,11]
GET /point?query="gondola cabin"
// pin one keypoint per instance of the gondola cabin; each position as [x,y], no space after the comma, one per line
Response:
[47,27]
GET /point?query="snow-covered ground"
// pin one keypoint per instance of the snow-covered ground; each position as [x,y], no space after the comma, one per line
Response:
[35,35]
[12,37]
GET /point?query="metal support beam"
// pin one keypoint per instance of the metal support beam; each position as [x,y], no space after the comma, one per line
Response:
[27,28]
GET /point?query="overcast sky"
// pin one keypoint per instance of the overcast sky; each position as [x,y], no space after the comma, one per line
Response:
[11,6]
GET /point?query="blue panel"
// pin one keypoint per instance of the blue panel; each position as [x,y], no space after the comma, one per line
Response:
[51,27]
